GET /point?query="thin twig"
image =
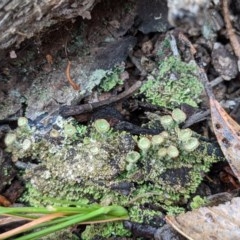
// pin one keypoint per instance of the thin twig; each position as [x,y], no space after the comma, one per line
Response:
[197,117]
[67,111]
[187,42]
[216,81]
[72,83]
[230,31]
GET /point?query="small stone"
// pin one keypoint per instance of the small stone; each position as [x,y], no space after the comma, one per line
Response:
[224,62]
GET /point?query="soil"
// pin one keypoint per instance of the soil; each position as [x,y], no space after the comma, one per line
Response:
[34,79]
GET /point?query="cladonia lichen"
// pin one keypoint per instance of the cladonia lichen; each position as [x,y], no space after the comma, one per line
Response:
[111,79]
[106,166]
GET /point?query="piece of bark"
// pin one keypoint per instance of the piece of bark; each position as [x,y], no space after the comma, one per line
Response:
[20,20]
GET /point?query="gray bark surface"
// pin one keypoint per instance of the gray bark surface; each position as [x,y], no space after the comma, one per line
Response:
[20,20]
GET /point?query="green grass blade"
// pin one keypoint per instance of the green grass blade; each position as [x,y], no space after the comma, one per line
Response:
[114,211]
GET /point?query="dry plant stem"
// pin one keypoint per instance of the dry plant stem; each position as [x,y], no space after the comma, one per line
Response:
[30,225]
[216,81]
[67,111]
[230,31]
[187,42]
[73,84]
[197,117]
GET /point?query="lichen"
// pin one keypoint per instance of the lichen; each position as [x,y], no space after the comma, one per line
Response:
[111,79]
[105,230]
[173,83]
[112,167]
[197,202]
[62,234]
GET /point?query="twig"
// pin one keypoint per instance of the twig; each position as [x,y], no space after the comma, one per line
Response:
[230,31]
[216,81]
[73,84]
[187,42]
[67,111]
[195,118]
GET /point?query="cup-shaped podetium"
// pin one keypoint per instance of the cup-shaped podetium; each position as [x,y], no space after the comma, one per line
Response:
[22,122]
[69,130]
[164,134]
[10,138]
[157,140]
[26,145]
[133,156]
[167,122]
[172,151]
[179,116]
[184,134]
[144,144]
[102,125]
[162,152]
[191,144]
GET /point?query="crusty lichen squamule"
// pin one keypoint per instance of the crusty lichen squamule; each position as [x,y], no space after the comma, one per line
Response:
[112,167]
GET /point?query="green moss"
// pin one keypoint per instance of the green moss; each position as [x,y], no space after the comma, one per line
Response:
[175,84]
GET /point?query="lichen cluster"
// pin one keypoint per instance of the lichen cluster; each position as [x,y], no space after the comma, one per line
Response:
[111,79]
[100,164]
[173,83]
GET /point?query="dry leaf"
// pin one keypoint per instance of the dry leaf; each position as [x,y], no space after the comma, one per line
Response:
[210,223]
[4,201]
[227,132]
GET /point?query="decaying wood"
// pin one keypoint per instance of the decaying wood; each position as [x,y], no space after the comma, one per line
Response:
[20,20]
[67,111]
[230,31]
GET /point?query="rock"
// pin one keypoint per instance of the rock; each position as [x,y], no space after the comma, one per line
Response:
[224,62]
[153,16]
[113,53]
